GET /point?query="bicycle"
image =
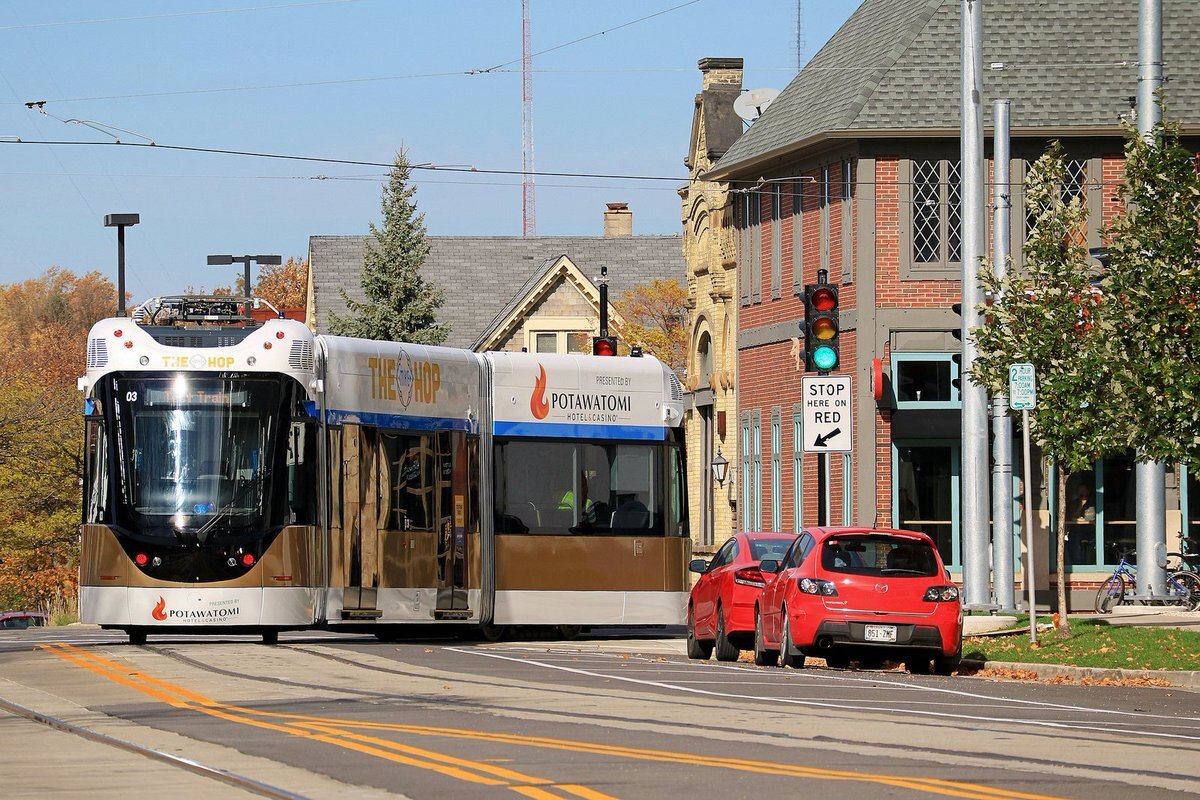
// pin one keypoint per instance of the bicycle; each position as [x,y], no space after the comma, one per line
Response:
[1187,559]
[1183,587]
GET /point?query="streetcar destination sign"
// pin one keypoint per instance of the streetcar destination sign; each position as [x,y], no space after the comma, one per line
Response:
[1022,387]
[827,417]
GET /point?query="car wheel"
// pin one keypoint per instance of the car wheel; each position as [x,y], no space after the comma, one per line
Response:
[789,656]
[762,656]
[696,648]
[724,648]
[870,662]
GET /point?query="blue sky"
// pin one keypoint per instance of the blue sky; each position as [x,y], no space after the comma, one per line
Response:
[617,103]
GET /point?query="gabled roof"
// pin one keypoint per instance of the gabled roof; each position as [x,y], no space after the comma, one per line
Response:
[483,275]
[895,66]
[532,293]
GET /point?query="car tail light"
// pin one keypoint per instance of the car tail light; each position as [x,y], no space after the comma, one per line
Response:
[749,576]
[818,586]
[941,594]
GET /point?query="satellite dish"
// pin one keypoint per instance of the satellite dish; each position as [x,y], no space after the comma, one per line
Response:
[751,104]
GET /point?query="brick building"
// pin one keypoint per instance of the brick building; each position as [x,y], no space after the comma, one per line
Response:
[855,169]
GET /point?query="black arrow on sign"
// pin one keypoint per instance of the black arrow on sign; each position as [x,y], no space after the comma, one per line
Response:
[822,441]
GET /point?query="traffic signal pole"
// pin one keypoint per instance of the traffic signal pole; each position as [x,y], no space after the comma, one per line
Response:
[974,482]
[1150,476]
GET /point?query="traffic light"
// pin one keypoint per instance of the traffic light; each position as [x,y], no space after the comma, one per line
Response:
[604,345]
[821,325]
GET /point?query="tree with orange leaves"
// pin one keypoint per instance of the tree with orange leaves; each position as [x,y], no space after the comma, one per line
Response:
[654,317]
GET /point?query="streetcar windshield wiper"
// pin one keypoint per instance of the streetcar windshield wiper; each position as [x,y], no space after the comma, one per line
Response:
[224,511]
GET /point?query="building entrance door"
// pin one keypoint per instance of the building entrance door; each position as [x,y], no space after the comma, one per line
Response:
[925,492]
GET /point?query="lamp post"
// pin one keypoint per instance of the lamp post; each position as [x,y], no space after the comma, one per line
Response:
[121,222]
[720,465]
[222,261]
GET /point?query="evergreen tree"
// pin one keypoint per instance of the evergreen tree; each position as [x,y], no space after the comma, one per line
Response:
[400,306]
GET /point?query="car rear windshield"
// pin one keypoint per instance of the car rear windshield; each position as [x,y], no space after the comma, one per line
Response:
[769,548]
[879,555]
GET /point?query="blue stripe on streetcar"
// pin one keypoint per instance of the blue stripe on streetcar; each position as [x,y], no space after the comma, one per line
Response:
[335,416]
[578,431]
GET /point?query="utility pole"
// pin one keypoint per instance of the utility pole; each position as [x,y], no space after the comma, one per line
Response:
[974,397]
[1151,476]
[528,193]
[1002,492]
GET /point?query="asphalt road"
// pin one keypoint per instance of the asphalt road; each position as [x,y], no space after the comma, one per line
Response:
[325,715]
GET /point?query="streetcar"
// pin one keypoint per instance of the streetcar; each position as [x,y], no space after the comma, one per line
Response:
[252,477]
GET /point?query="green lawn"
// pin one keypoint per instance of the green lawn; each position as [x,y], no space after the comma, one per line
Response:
[1093,644]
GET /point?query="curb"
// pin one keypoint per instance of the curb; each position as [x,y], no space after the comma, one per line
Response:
[1177,678]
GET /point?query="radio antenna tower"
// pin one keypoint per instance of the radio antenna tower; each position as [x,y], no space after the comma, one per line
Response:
[528,199]
[799,35]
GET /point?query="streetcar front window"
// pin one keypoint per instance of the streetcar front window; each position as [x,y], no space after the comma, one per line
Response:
[195,449]
[577,487]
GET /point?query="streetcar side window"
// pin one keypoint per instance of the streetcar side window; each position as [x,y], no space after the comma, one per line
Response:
[96,485]
[411,481]
[568,487]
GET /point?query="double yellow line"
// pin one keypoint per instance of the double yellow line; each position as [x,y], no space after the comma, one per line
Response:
[340,732]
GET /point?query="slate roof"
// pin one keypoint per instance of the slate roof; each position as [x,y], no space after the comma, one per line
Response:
[894,65]
[483,275]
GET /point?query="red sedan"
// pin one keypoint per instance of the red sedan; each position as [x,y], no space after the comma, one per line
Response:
[721,609]
[861,594]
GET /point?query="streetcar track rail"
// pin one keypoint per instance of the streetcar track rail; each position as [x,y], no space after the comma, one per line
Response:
[191,765]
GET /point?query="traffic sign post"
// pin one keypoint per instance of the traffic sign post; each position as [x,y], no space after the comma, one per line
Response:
[1022,396]
[827,425]
[827,413]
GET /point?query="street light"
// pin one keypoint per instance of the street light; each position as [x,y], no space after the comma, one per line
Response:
[224,261]
[720,465]
[121,222]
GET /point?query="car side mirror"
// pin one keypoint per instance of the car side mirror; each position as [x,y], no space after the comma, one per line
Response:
[698,566]
[769,565]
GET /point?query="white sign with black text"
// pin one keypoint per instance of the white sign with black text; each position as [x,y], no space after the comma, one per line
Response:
[827,415]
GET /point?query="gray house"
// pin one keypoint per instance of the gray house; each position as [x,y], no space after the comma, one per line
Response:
[510,292]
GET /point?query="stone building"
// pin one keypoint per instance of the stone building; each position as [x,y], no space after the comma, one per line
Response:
[708,249]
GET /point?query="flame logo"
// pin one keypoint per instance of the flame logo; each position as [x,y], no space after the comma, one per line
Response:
[537,401]
[160,610]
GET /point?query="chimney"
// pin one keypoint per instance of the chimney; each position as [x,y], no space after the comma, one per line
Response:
[618,220]
[721,72]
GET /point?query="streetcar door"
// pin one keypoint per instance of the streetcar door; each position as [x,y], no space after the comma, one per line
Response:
[360,529]
[453,497]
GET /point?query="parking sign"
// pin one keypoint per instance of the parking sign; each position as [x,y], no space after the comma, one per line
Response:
[1022,387]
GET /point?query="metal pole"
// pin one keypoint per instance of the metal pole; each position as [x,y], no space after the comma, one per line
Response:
[247,261]
[1002,495]
[120,270]
[1029,578]
[974,397]
[1151,475]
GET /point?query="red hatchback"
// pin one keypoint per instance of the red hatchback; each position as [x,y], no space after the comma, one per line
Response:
[859,593]
[721,609]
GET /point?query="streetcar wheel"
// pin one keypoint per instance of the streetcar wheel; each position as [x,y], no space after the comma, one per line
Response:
[1111,593]
[789,656]
[762,656]
[492,633]
[137,636]
[270,637]
[1188,587]
[724,648]
[695,648]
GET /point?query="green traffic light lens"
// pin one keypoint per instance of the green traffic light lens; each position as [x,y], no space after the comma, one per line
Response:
[825,358]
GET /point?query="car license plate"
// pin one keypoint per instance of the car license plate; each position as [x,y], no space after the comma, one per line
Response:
[880,633]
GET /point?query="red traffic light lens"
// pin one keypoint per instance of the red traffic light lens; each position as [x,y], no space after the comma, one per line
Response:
[824,299]
[824,328]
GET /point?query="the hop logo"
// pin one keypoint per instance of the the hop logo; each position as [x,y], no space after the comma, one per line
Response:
[160,610]
[537,401]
